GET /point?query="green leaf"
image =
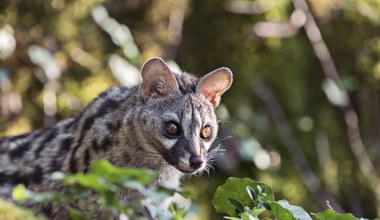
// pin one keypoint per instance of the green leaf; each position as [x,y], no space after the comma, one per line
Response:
[236,188]
[251,193]
[158,213]
[57,176]
[187,194]
[248,216]
[279,212]
[20,193]
[231,218]
[177,213]
[256,212]
[131,184]
[330,214]
[264,206]
[261,189]
[237,204]
[89,181]
[46,197]
[283,210]
[117,175]
[76,215]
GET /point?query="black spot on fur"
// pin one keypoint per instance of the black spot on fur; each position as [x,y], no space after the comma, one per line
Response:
[117,126]
[37,175]
[47,209]
[126,156]
[124,89]
[18,137]
[3,148]
[106,107]
[65,146]
[56,164]
[14,178]
[114,126]
[69,125]
[19,151]
[103,94]
[95,145]
[73,165]
[106,144]
[86,160]
[52,133]
[87,124]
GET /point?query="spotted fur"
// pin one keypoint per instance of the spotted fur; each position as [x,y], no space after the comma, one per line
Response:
[125,126]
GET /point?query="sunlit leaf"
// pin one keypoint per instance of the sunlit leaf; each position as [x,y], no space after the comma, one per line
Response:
[115,174]
[76,215]
[256,212]
[251,193]
[236,189]
[280,212]
[47,197]
[283,210]
[20,193]
[57,176]
[330,214]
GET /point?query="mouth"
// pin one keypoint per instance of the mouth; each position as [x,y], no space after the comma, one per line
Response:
[187,170]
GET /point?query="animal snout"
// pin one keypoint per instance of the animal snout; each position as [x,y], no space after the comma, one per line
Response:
[196,162]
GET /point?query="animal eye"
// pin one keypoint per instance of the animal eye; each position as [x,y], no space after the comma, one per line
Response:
[206,133]
[172,128]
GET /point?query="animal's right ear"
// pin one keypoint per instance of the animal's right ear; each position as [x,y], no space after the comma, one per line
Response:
[157,78]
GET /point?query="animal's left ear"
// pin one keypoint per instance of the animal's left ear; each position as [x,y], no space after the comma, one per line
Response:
[158,80]
[214,84]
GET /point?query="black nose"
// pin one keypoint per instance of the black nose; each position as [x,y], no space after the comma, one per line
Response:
[195,162]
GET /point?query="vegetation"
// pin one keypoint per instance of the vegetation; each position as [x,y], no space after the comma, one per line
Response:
[98,192]
[248,200]
[302,115]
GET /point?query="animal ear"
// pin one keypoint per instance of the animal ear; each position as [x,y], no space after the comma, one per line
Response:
[157,78]
[214,84]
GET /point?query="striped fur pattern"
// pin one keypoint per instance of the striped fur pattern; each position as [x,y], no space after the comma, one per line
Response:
[130,127]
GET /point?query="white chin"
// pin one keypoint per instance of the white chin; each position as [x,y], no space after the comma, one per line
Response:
[188,170]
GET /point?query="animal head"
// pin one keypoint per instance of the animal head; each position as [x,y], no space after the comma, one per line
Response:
[178,113]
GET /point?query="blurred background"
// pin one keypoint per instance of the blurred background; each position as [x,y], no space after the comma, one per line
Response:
[302,116]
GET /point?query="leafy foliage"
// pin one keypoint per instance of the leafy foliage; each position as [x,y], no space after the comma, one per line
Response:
[243,195]
[242,199]
[8,211]
[98,191]
[246,199]
[330,214]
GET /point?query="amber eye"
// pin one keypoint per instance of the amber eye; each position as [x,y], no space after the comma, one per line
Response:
[172,128]
[206,133]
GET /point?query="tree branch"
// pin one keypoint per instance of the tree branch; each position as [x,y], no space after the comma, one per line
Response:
[292,145]
[350,116]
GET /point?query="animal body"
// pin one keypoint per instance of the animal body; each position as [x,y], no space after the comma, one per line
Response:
[167,123]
